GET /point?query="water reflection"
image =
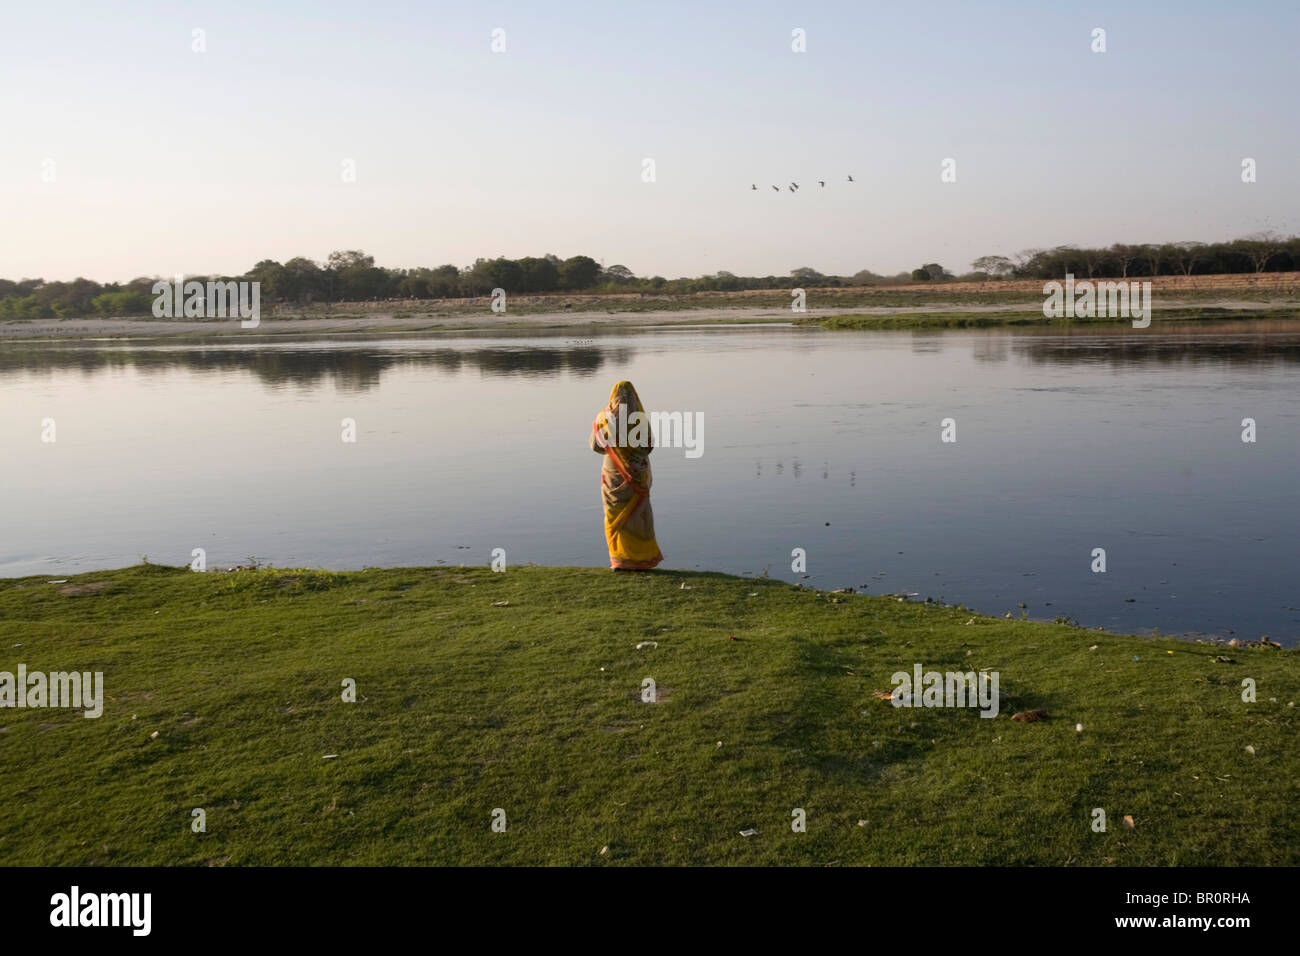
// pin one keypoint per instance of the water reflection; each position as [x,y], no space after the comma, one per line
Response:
[927,340]
[359,365]
[1162,350]
[1053,460]
[349,369]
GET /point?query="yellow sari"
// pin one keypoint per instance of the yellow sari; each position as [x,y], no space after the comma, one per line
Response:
[625,481]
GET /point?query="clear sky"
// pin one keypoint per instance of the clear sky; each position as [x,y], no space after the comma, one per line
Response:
[167,160]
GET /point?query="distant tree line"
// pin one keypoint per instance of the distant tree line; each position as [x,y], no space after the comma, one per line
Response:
[346,276]
[352,276]
[1261,252]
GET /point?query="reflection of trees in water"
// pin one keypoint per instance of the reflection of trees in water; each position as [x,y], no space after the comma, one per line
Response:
[927,340]
[349,369]
[1164,350]
[991,348]
[1265,343]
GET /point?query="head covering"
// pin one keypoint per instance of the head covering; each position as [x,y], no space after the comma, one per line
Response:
[624,393]
[623,400]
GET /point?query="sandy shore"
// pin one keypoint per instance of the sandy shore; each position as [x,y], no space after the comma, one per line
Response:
[387,322]
[379,322]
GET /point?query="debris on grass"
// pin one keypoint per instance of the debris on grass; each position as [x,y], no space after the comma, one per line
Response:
[79,590]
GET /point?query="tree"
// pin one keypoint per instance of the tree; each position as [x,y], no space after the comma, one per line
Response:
[474,280]
[269,275]
[1153,254]
[1025,261]
[351,259]
[123,302]
[1091,258]
[444,282]
[355,275]
[579,272]
[340,264]
[303,281]
[540,275]
[921,275]
[1293,250]
[1259,248]
[1184,255]
[414,284]
[994,265]
[1125,255]
[76,297]
[505,274]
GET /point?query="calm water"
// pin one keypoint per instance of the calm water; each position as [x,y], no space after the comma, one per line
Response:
[1127,440]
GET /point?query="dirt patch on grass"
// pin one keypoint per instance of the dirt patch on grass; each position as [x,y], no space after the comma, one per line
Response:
[80,590]
[662,693]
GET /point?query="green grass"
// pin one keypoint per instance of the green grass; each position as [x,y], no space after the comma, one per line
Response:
[1033,315]
[536,708]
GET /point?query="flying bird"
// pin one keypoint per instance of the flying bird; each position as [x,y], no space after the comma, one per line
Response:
[850,178]
[752,186]
[821,183]
[777,188]
[794,186]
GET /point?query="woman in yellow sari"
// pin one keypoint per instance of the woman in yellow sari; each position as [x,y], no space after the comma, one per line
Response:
[623,437]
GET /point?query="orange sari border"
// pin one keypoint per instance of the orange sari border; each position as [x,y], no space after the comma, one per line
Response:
[634,565]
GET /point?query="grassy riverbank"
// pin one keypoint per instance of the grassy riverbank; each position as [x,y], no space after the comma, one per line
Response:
[959,306]
[523,691]
[1034,317]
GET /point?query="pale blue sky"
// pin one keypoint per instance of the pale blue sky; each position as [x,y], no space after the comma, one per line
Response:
[166,160]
